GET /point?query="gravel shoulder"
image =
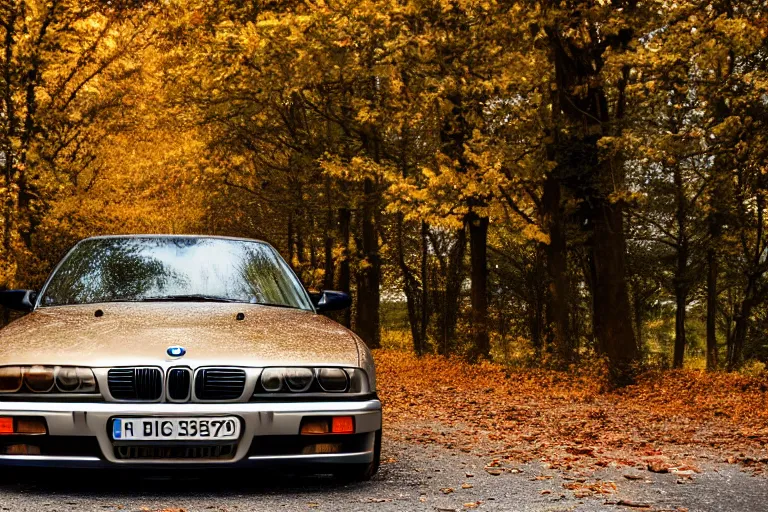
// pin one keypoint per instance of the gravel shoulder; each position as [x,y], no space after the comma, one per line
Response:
[413,477]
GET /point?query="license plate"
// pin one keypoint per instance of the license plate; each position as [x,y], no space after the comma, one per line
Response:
[221,428]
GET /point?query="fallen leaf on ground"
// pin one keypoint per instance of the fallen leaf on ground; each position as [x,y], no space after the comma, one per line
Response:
[574,450]
[658,467]
[528,415]
[628,503]
[585,489]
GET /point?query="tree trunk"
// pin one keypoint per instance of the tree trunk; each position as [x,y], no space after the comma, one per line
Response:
[328,244]
[558,309]
[424,282]
[300,256]
[10,206]
[502,327]
[712,271]
[729,316]
[290,240]
[538,296]
[411,289]
[739,335]
[722,164]
[595,178]
[10,209]
[639,315]
[447,294]
[681,271]
[312,244]
[754,294]
[611,310]
[453,288]
[369,275]
[736,352]
[345,280]
[681,300]
[478,248]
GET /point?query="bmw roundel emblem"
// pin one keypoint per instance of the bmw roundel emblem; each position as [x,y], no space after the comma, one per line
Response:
[176,351]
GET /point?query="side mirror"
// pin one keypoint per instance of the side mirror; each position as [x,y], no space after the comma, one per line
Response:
[21,300]
[330,301]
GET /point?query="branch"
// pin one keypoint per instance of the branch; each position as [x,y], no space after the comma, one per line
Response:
[513,205]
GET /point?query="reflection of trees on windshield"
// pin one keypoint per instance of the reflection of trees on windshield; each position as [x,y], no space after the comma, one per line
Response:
[263,278]
[106,270]
[165,268]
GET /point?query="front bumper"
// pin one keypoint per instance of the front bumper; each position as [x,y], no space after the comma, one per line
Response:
[262,424]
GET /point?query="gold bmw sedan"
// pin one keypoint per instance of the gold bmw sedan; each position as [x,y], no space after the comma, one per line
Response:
[184,351]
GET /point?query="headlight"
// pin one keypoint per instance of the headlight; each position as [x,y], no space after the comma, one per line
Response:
[10,379]
[298,379]
[333,380]
[87,381]
[47,379]
[67,379]
[358,381]
[39,379]
[70,379]
[272,380]
[312,380]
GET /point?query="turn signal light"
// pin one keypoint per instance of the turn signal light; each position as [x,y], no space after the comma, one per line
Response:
[312,426]
[22,426]
[31,426]
[343,425]
[334,425]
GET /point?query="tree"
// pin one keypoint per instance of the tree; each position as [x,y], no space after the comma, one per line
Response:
[60,74]
[589,106]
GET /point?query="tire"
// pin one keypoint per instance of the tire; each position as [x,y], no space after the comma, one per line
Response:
[361,472]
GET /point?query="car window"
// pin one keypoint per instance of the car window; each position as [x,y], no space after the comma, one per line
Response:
[173,268]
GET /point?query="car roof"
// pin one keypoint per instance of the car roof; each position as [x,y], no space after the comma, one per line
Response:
[216,237]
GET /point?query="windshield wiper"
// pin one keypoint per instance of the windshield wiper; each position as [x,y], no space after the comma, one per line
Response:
[273,305]
[189,298]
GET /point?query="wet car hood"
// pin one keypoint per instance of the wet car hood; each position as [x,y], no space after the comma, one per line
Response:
[140,334]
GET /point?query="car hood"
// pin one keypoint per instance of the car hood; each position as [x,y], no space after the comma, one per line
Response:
[140,334]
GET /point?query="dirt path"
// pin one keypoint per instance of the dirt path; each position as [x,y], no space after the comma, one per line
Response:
[414,477]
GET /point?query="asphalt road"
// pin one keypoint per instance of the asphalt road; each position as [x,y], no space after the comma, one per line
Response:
[414,477]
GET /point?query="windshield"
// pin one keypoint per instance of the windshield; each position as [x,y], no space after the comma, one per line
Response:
[174,268]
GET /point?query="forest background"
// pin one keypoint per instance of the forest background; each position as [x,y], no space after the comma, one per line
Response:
[540,183]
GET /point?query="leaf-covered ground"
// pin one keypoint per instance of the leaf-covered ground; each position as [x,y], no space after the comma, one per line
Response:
[668,422]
